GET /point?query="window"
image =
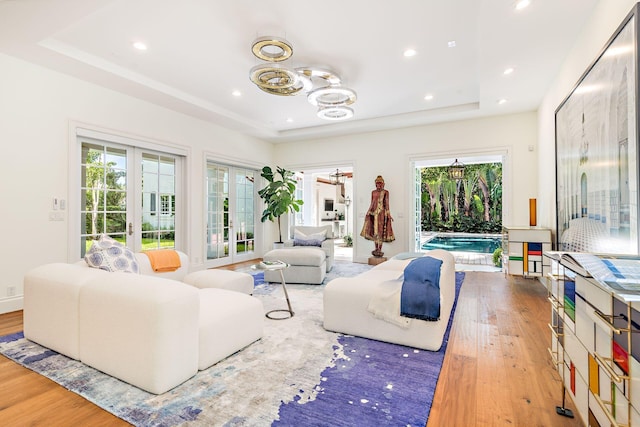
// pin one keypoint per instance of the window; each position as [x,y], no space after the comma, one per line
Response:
[126,191]
[167,204]
[231,214]
[103,193]
[158,177]
[328,205]
[153,202]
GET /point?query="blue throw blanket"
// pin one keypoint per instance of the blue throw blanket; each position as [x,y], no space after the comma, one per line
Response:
[420,295]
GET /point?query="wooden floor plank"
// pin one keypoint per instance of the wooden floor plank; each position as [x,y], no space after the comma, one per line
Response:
[515,382]
[461,370]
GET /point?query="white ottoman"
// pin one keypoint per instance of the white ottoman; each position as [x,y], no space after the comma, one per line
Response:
[51,295]
[142,330]
[346,302]
[221,279]
[306,265]
[229,321]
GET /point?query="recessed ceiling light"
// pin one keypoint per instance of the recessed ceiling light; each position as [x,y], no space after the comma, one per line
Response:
[521,4]
[289,120]
[502,101]
[140,45]
[451,43]
[236,93]
[508,71]
[428,97]
[410,52]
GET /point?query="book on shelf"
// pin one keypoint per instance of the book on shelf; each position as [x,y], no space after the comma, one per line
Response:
[621,273]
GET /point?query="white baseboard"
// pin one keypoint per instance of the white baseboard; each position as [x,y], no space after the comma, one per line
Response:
[7,305]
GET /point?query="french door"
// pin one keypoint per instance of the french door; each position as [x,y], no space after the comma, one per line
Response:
[417,207]
[129,193]
[230,213]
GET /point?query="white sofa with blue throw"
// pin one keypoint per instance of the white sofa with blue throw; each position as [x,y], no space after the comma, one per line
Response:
[369,305]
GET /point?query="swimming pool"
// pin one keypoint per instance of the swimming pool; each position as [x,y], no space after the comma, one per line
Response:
[478,244]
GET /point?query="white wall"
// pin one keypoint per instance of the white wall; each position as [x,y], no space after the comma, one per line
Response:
[36,108]
[606,18]
[388,153]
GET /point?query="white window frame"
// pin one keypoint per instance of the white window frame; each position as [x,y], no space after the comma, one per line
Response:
[234,163]
[433,159]
[78,131]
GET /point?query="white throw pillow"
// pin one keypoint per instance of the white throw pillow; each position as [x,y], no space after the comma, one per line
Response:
[110,255]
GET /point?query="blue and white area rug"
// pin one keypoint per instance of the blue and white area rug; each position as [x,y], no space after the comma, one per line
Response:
[298,374]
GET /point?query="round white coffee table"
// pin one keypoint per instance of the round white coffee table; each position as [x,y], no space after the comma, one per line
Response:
[277,266]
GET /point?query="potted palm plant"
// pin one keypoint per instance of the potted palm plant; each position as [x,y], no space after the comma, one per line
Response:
[278,195]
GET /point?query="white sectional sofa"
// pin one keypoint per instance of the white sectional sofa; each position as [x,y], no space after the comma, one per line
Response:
[150,329]
[219,279]
[347,305]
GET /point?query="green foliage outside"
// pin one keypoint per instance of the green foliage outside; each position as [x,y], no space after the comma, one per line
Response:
[470,205]
[105,192]
[497,257]
[147,244]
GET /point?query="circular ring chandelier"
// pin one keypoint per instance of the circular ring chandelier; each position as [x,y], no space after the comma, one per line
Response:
[329,76]
[338,112]
[332,96]
[273,76]
[302,84]
[272,49]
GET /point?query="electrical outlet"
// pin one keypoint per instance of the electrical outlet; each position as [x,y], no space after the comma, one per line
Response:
[11,291]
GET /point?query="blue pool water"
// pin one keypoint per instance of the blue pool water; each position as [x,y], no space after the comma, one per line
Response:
[483,245]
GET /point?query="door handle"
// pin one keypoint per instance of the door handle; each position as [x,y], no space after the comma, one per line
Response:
[130,229]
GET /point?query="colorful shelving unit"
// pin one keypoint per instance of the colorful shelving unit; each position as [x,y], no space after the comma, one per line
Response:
[595,343]
[522,249]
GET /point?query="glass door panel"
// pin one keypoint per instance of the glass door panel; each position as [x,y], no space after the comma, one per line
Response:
[103,194]
[158,201]
[417,208]
[217,212]
[231,219]
[129,194]
[244,212]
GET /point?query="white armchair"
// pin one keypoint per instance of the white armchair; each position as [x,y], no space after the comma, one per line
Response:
[327,244]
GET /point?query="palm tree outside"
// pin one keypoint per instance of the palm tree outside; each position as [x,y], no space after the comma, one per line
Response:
[470,205]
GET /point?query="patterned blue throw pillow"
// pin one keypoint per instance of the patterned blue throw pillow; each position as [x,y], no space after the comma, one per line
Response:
[315,239]
[298,242]
[110,255]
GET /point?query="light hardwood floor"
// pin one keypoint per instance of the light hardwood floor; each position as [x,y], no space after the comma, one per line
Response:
[496,369]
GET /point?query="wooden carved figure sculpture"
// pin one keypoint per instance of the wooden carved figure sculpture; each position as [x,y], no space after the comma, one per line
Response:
[377,221]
